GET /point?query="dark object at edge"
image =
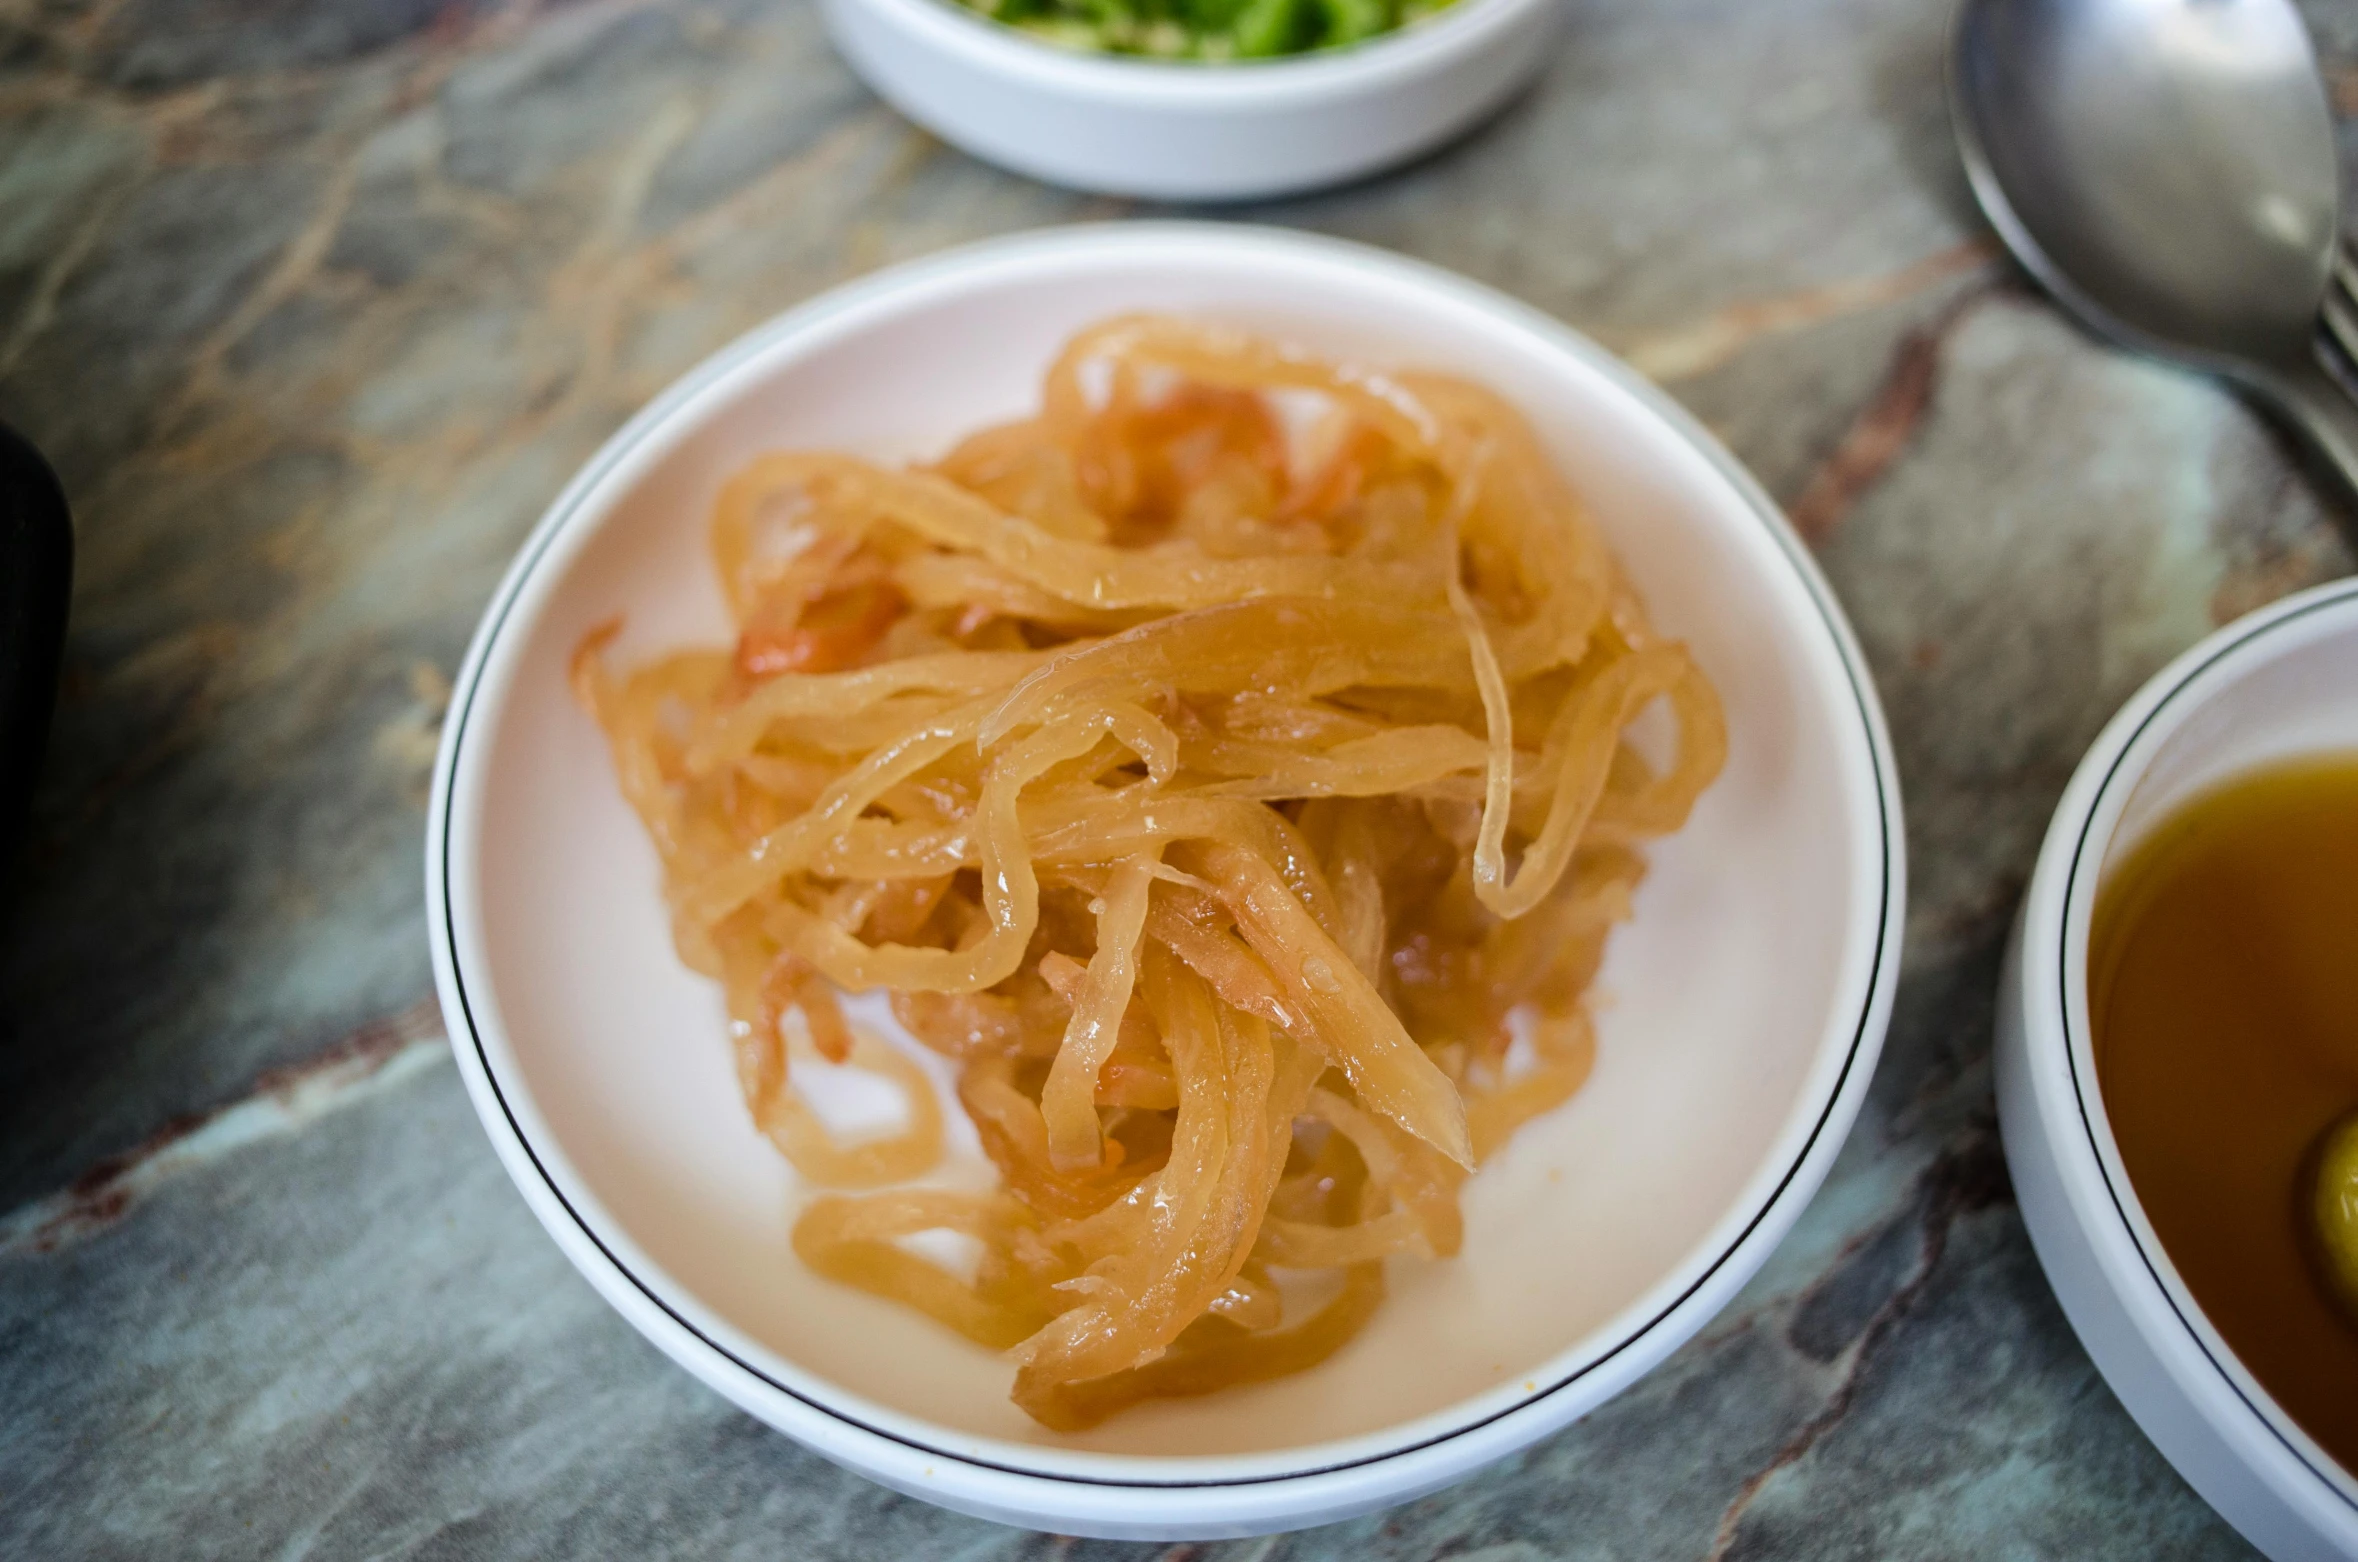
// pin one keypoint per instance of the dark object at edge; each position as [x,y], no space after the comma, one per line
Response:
[36,574]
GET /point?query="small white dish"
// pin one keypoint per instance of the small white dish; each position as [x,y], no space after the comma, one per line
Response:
[1189,131]
[1744,1006]
[2280,683]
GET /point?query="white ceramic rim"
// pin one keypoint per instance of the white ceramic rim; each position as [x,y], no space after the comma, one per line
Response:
[1297,1485]
[2057,917]
[1127,81]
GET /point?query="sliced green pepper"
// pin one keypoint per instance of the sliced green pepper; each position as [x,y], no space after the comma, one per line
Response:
[1352,21]
[1206,30]
[1271,27]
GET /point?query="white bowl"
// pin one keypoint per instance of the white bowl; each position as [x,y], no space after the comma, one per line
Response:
[1176,130]
[2281,682]
[1745,1003]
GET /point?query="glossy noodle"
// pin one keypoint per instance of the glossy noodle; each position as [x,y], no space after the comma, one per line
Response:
[1231,769]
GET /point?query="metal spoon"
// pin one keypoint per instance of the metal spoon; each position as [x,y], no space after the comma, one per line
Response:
[2166,168]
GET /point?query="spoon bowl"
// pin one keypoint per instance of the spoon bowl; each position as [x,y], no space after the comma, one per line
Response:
[2167,169]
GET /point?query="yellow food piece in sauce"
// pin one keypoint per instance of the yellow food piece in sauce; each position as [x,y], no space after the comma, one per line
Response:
[2337,1211]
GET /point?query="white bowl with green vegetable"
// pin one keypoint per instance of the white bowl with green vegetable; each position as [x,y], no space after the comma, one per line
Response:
[1200,100]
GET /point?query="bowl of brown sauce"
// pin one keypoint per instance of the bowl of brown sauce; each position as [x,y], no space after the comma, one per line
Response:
[2178,1067]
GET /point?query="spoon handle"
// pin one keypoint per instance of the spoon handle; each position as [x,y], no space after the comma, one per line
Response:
[2322,408]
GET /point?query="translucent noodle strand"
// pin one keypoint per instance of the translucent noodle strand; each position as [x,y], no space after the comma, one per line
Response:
[1234,771]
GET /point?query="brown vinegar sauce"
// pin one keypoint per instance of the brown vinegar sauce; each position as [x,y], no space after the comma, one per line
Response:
[2223,991]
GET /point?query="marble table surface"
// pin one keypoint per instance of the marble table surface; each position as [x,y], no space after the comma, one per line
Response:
[315,303]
